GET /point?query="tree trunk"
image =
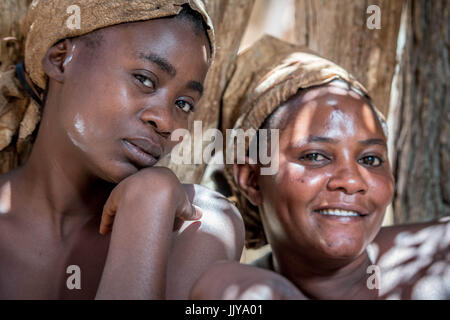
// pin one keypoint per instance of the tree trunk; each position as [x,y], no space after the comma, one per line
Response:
[338,31]
[422,117]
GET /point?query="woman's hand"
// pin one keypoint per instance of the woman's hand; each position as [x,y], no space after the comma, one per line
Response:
[146,184]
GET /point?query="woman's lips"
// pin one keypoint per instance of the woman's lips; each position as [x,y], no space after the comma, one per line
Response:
[338,213]
[342,212]
[142,152]
[342,206]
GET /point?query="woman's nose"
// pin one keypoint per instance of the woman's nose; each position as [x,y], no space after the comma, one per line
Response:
[161,117]
[348,179]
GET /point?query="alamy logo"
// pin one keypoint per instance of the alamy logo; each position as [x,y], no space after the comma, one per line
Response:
[74,20]
[74,280]
[373,282]
[263,147]
[374,20]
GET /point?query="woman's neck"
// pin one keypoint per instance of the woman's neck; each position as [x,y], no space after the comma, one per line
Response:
[327,280]
[53,185]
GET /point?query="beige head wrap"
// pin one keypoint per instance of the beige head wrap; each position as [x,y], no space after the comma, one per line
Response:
[46,23]
[266,75]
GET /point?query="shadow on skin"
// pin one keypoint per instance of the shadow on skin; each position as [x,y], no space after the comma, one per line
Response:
[417,266]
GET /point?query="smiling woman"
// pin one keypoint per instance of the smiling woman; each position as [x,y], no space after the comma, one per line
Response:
[322,211]
[338,159]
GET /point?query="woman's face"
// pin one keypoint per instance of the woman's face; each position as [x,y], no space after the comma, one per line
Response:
[334,181]
[120,101]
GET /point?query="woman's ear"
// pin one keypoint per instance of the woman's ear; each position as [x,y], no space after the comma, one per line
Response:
[246,177]
[55,58]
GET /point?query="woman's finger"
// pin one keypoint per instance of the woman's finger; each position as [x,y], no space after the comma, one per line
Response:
[192,212]
[189,212]
[108,214]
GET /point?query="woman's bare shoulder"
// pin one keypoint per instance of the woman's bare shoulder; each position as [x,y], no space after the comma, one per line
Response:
[218,235]
[390,235]
[414,260]
[220,219]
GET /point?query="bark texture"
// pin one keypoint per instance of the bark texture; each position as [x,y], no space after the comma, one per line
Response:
[422,115]
[338,31]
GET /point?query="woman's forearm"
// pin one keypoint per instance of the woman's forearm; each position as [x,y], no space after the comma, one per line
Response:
[137,258]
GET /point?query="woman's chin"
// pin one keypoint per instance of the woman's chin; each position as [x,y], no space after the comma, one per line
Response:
[115,171]
[342,247]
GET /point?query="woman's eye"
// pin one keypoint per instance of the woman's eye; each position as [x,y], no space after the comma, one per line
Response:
[145,81]
[313,157]
[185,106]
[372,161]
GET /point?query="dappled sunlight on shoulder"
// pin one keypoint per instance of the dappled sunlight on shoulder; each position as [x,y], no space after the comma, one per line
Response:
[417,265]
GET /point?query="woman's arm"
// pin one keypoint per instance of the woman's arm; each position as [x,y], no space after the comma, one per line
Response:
[228,280]
[146,258]
[414,260]
[389,236]
[143,208]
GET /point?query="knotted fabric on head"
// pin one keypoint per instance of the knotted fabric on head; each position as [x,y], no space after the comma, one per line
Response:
[267,75]
[45,24]
[48,21]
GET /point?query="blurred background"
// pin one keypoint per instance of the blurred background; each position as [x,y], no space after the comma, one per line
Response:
[404,64]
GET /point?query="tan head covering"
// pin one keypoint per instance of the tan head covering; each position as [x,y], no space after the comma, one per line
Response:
[46,23]
[266,75]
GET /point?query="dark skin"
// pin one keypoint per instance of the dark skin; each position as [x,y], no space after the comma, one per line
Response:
[332,156]
[107,120]
[327,155]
